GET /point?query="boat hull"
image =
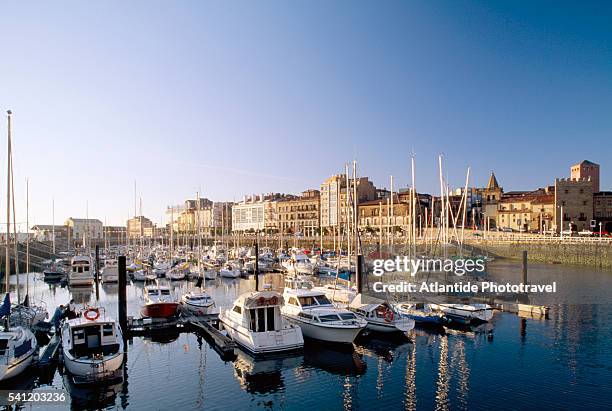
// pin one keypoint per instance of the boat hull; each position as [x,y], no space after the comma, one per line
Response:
[90,371]
[288,339]
[15,368]
[159,310]
[336,335]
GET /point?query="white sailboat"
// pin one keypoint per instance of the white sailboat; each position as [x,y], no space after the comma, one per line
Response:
[381,316]
[465,312]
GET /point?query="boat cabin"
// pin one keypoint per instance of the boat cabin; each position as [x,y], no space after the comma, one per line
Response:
[89,338]
[260,311]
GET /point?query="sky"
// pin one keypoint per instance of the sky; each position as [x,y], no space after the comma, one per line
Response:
[233,98]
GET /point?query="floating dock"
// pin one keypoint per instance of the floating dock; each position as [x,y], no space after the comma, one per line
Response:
[49,353]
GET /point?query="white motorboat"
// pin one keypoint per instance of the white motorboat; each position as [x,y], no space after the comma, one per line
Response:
[465,312]
[420,312]
[144,275]
[197,302]
[315,314]
[17,348]
[299,264]
[229,270]
[110,271]
[255,323]
[381,316]
[338,293]
[80,273]
[92,346]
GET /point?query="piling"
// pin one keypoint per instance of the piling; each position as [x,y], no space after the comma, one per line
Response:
[122,294]
[257,265]
[358,273]
[524,268]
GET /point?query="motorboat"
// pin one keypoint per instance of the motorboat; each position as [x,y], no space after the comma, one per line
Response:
[421,313]
[80,273]
[197,302]
[315,314]
[54,272]
[160,268]
[110,271]
[338,293]
[144,275]
[229,270]
[92,346]
[255,323]
[465,313]
[299,264]
[381,316]
[158,302]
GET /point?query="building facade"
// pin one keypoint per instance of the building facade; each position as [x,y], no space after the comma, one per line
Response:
[256,213]
[139,226]
[530,212]
[333,198]
[299,214]
[573,204]
[80,228]
[602,211]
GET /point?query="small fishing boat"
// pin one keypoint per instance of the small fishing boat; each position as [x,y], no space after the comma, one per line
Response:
[92,346]
[381,317]
[465,313]
[158,302]
[255,323]
[197,302]
[421,313]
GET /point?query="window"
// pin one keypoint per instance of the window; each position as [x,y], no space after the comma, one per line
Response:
[347,316]
[270,318]
[261,320]
[304,315]
[237,309]
[307,301]
[107,330]
[328,318]
[292,301]
[322,300]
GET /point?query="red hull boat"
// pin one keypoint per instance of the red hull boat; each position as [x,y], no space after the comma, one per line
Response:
[159,310]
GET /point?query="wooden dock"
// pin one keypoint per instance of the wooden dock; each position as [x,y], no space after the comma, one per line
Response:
[50,351]
[204,324]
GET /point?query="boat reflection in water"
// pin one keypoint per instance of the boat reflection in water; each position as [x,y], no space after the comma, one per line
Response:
[92,396]
[336,359]
[263,374]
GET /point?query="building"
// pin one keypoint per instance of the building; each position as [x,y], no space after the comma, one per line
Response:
[215,218]
[140,226]
[573,204]
[529,212]
[45,232]
[586,170]
[602,211]
[489,197]
[115,234]
[256,213]
[80,228]
[334,198]
[299,214]
[376,214]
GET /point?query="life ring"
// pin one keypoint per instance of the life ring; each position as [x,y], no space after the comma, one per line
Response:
[261,301]
[90,317]
[273,300]
[389,316]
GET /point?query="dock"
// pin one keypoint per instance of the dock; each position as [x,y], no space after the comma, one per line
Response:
[204,324]
[49,353]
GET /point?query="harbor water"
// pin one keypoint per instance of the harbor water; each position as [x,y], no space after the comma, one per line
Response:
[513,362]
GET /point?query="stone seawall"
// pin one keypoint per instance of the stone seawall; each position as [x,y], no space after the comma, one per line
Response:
[587,254]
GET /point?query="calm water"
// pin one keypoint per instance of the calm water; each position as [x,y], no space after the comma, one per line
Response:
[563,362]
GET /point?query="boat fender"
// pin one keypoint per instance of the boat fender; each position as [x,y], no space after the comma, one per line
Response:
[95,316]
[389,316]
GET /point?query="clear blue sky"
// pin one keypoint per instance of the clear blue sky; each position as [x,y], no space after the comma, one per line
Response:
[235,97]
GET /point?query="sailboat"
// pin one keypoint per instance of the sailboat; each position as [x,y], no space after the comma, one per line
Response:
[17,343]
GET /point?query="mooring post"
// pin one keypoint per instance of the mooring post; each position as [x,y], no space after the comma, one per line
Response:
[122,294]
[358,273]
[524,268]
[257,265]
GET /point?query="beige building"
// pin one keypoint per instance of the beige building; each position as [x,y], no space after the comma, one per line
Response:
[299,214]
[79,228]
[139,226]
[490,196]
[334,194]
[602,211]
[256,213]
[573,204]
[526,213]
[586,170]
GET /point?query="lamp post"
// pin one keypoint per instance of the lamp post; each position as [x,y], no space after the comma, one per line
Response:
[600,229]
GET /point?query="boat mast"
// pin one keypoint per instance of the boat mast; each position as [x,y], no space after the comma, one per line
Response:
[15,240]
[53,223]
[27,236]
[7,256]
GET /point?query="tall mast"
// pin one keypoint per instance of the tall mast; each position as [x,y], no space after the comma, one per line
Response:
[53,223]
[355,225]
[27,236]
[346,212]
[7,256]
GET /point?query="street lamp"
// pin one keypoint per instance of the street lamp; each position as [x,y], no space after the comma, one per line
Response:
[600,229]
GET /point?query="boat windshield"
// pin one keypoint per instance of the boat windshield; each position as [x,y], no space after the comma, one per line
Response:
[347,316]
[307,301]
[322,300]
[327,318]
[165,292]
